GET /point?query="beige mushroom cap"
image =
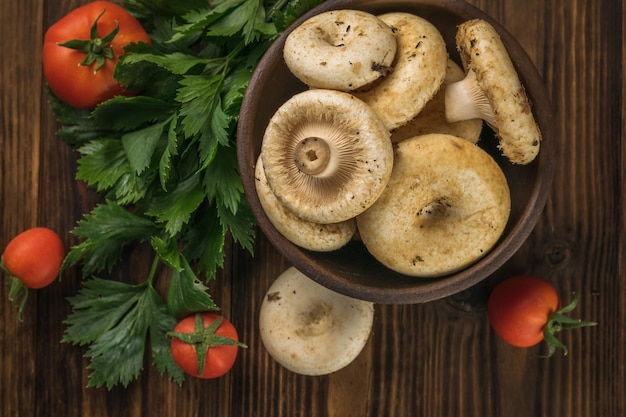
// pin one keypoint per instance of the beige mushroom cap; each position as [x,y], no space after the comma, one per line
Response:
[310,329]
[340,49]
[432,119]
[484,56]
[312,236]
[418,71]
[327,156]
[446,205]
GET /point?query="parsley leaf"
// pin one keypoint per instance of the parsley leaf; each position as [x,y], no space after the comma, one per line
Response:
[187,294]
[197,95]
[141,144]
[239,223]
[129,113]
[204,243]
[115,319]
[174,207]
[221,181]
[106,230]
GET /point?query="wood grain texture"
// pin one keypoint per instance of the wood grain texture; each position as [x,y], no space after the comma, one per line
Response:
[439,359]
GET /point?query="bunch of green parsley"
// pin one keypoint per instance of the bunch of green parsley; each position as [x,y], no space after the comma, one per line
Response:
[164,163]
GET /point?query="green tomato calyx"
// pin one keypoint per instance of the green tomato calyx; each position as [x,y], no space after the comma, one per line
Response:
[202,338]
[559,321]
[97,49]
[18,292]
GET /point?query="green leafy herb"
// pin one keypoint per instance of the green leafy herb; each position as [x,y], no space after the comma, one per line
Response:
[164,162]
[115,319]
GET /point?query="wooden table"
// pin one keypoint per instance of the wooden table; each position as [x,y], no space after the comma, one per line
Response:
[437,359]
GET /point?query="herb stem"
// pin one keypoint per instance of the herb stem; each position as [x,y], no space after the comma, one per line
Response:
[153,269]
[233,54]
[279,5]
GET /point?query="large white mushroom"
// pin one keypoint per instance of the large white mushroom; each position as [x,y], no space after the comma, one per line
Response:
[432,118]
[445,206]
[340,49]
[327,156]
[418,71]
[312,236]
[492,91]
[310,329]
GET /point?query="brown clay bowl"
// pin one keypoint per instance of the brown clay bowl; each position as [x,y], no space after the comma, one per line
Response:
[352,270]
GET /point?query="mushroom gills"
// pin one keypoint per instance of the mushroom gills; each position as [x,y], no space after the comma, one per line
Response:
[308,235]
[327,155]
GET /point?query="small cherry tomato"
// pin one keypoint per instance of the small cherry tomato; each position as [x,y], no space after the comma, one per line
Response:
[34,257]
[205,345]
[524,310]
[81,50]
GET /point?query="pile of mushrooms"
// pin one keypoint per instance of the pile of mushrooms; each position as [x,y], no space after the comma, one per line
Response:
[383,145]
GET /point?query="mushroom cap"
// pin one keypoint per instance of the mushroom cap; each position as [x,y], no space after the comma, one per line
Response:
[445,206]
[418,71]
[310,329]
[483,52]
[312,236]
[340,49]
[327,156]
[432,119]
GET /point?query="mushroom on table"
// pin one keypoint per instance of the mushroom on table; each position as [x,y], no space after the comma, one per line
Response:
[310,329]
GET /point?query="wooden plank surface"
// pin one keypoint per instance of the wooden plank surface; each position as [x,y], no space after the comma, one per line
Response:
[436,359]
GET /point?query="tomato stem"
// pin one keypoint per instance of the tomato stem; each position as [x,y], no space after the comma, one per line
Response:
[18,295]
[97,49]
[18,292]
[203,338]
[559,321]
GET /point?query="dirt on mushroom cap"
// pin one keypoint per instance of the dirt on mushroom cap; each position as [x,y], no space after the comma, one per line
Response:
[310,329]
[432,118]
[340,49]
[483,52]
[445,206]
[418,73]
[360,155]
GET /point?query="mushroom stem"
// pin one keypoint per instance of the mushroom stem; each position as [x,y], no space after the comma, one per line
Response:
[465,100]
[312,155]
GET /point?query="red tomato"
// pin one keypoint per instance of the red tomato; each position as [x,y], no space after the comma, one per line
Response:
[520,307]
[205,341]
[73,74]
[34,257]
[524,310]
